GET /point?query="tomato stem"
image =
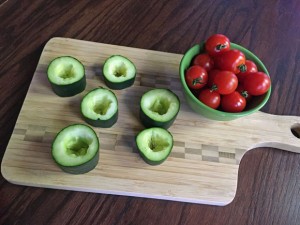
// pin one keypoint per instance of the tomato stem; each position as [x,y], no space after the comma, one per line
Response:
[220,46]
[213,88]
[244,94]
[242,68]
[198,81]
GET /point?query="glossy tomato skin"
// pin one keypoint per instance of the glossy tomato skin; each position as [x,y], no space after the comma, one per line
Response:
[233,102]
[204,60]
[217,44]
[251,68]
[225,82]
[196,77]
[233,60]
[210,98]
[257,83]
[211,76]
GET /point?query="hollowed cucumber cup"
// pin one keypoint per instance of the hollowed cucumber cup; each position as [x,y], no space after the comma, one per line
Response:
[159,108]
[75,149]
[99,108]
[154,144]
[66,75]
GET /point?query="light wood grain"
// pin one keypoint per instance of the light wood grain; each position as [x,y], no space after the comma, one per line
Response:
[202,168]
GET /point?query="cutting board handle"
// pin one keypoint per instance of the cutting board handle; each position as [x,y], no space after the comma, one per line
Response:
[285,129]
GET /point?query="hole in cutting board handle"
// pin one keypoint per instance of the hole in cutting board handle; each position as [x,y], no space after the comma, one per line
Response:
[295,129]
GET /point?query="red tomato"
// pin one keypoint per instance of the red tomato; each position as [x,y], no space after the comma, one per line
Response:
[232,60]
[257,83]
[251,68]
[216,44]
[211,77]
[210,98]
[225,82]
[233,102]
[196,77]
[204,60]
[243,92]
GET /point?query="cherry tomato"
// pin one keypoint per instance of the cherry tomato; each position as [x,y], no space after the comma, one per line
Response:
[243,92]
[251,68]
[233,102]
[204,60]
[210,98]
[216,44]
[257,83]
[232,60]
[211,77]
[225,82]
[196,77]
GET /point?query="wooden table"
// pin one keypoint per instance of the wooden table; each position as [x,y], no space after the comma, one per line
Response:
[268,189]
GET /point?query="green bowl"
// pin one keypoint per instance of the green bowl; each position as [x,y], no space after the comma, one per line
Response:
[255,104]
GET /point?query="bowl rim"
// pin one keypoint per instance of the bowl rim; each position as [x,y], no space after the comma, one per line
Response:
[219,112]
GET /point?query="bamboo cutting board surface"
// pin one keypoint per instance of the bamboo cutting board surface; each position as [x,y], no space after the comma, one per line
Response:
[203,165]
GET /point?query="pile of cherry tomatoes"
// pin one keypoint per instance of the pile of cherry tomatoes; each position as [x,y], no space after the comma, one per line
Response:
[222,78]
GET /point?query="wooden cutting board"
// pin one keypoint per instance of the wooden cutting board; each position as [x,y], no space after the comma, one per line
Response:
[202,168]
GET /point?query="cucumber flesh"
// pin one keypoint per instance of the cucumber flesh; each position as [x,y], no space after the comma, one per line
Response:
[66,76]
[159,108]
[99,107]
[119,72]
[154,145]
[76,149]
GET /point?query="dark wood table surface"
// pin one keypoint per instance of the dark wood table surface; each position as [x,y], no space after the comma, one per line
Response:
[268,189]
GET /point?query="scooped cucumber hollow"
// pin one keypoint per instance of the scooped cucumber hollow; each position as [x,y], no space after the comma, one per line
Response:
[154,144]
[159,108]
[66,75]
[75,149]
[99,107]
[118,72]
